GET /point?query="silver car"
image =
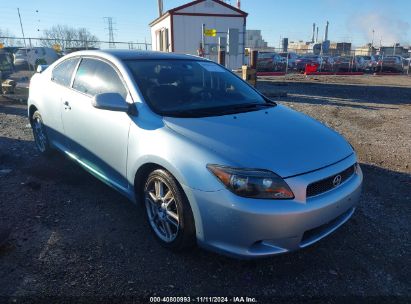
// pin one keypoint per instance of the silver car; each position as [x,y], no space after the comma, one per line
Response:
[213,161]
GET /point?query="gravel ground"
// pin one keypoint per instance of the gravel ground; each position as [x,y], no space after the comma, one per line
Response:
[73,238]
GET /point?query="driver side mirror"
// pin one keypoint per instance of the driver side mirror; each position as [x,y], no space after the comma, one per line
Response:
[110,102]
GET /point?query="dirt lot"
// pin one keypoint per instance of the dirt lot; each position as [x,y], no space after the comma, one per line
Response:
[72,236]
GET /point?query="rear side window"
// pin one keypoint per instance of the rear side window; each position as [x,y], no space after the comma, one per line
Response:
[95,77]
[63,72]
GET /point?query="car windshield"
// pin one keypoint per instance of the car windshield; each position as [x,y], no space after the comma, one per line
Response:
[193,88]
[266,55]
[21,53]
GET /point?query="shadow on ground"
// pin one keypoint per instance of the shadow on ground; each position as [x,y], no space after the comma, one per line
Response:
[379,97]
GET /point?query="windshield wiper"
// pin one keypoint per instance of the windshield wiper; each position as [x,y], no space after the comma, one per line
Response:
[220,111]
[253,106]
[193,113]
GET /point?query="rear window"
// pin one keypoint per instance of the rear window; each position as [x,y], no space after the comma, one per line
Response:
[21,53]
[266,55]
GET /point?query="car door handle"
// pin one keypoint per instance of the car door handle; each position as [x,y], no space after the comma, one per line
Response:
[67,105]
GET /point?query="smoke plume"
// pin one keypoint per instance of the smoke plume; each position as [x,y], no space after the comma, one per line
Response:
[387,28]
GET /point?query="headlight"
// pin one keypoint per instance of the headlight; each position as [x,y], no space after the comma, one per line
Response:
[252,183]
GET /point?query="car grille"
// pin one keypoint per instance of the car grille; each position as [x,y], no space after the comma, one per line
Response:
[327,184]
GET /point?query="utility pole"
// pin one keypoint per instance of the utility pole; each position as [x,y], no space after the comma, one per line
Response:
[372,42]
[110,28]
[160,8]
[21,26]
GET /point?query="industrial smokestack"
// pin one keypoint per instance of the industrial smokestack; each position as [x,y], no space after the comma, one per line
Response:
[316,38]
[160,7]
[313,38]
[239,4]
[326,32]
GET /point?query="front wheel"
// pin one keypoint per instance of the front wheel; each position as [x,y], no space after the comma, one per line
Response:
[168,211]
[40,135]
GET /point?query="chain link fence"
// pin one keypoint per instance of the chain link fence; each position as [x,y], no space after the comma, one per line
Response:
[25,54]
[334,61]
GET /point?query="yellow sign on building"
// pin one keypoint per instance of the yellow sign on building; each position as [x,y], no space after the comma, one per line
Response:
[210,32]
[57,47]
[1,45]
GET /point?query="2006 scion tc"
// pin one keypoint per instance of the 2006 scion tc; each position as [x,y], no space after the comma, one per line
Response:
[212,160]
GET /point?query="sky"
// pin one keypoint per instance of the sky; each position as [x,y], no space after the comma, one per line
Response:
[350,20]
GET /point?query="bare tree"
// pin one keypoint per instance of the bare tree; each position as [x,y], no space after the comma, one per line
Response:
[68,37]
[8,38]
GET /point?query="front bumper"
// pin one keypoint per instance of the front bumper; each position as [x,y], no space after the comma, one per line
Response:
[249,228]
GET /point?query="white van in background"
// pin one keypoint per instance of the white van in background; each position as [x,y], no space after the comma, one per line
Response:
[30,58]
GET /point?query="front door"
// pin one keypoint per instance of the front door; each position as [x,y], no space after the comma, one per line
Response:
[97,138]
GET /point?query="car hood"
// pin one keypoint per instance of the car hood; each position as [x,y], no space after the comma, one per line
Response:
[278,139]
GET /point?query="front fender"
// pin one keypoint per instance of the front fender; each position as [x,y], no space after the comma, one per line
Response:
[184,159]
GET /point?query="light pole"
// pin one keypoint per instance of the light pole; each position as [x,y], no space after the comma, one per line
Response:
[21,26]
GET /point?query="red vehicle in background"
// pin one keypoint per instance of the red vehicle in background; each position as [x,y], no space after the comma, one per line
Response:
[301,62]
[270,62]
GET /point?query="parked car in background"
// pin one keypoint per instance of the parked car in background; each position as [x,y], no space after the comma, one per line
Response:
[292,57]
[306,59]
[346,64]
[367,63]
[76,49]
[6,64]
[407,66]
[393,64]
[30,58]
[261,179]
[326,64]
[270,62]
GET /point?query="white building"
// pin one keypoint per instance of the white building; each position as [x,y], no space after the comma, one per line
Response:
[180,30]
[255,40]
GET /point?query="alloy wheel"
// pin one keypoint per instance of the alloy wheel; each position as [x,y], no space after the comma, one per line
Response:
[39,134]
[162,210]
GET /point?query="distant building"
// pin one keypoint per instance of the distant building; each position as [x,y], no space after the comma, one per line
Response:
[366,50]
[180,30]
[314,46]
[340,48]
[301,47]
[254,40]
[396,49]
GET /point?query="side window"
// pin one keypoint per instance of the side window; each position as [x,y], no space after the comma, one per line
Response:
[95,77]
[64,71]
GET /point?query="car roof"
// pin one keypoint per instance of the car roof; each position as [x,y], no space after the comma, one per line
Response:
[134,54]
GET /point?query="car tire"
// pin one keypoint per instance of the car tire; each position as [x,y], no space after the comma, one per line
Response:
[168,211]
[40,135]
